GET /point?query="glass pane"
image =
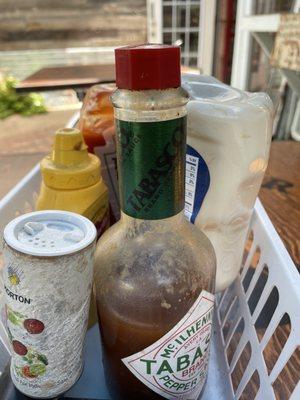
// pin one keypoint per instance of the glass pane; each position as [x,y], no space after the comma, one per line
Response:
[264,77]
[180,36]
[167,16]
[180,39]
[194,41]
[193,62]
[181,16]
[261,71]
[195,14]
[272,6]
[167,38]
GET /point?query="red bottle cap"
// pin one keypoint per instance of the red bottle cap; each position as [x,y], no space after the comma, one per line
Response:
[149,66]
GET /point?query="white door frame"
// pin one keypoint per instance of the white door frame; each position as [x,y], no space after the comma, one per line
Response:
[207,36]
[246,25]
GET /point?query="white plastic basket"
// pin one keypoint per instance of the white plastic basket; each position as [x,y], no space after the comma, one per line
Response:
[239,367]
[272,290]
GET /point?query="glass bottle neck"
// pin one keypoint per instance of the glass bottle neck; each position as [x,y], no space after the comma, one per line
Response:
[177,219]
[151,148]
[151,167]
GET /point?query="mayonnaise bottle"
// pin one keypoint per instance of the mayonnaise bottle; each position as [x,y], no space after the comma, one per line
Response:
[229,135]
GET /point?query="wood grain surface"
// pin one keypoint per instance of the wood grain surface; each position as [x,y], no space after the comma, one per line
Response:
[280,194]
[68,76]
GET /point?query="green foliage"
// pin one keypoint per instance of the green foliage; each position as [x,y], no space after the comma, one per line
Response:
[14,103]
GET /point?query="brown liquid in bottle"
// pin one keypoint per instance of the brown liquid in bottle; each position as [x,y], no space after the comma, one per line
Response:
[121,338]
[122,383]
[143,290]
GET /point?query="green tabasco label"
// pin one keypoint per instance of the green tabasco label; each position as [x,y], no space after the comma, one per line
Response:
[175,366]
[151,167]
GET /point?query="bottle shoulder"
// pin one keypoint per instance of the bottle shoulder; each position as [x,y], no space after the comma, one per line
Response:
[157,245]
[130,230]
[148,271]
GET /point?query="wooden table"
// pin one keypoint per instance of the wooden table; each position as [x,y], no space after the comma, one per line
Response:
[75,76]
[280,195]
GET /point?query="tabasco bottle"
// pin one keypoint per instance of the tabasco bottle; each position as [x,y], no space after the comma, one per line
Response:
[154,270]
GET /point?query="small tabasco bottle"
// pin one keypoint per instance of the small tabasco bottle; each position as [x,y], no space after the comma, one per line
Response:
[154,270]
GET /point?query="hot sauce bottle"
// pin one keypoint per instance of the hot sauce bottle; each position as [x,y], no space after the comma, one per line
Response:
[155,271]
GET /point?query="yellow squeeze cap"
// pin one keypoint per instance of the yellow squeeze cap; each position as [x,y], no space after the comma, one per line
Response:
[70,166]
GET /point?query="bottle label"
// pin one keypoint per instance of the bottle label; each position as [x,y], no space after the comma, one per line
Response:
[45,331]
[197,181]
[175,366]
[151,166]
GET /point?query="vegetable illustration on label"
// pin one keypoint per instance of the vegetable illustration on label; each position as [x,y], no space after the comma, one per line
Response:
[176,365]
[32,326]
[31,363]
[31,371]
[19,348]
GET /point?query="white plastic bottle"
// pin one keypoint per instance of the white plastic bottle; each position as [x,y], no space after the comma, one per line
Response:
[229,135]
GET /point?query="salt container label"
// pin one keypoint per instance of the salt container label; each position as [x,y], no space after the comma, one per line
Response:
[197,181]
[47,303]
[175,366]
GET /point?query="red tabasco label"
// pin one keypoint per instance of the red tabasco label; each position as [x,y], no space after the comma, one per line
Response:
[175,366]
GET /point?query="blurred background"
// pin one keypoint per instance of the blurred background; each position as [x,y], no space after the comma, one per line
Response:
[57,49]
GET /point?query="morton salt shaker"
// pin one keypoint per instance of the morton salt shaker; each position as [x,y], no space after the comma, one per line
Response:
[47,281]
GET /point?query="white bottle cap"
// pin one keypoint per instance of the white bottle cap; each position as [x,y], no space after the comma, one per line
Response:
[49,233]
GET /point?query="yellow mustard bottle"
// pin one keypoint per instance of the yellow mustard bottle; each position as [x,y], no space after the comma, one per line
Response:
[72,180]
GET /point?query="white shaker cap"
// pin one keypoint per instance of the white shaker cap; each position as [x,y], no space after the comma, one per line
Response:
[49,233]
